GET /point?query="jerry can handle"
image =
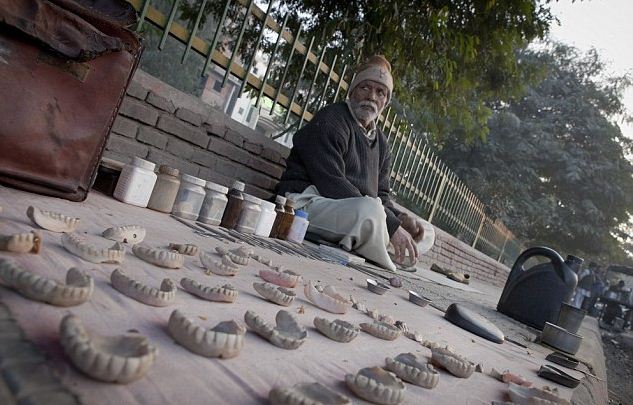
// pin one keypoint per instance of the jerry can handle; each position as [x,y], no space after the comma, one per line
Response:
[517,268]
[551,254]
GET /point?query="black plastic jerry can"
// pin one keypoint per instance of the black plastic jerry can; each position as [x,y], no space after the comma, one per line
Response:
[534,296]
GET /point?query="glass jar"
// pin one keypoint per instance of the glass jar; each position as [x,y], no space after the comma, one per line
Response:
[214,204]
[286,219]
[165,190]
[189,198]
[249,215]
[280,201]
[266,219]
[234,206]
[299,227]
[136,182]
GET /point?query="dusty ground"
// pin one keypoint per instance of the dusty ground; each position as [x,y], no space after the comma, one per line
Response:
[618,353]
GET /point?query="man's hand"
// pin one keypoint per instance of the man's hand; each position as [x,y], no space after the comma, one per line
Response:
[413,226]
[403,242]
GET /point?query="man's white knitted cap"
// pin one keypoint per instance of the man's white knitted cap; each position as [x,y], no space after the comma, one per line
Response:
[376,69]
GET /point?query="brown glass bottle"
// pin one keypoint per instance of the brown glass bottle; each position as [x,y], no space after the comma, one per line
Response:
[234,206]
[279,210]
[286,219]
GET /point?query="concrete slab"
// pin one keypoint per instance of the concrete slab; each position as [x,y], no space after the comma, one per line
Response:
[179,376]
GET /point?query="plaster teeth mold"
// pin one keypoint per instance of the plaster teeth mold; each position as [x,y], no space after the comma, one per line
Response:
[307,394]
[80,248]
[239,256]
[225,267]
[288,334]
[21,242]
[184,248]
[414,335]
[118,359]
[225,293]
[225,340]
[337,330]
[409,368]
[358,305]
[77,290]
[381,330]
[377,316]
[533,396]
[221,250]
[286,278]
[143,293]
[452,362]
[52,221]
[327,298]
[376,385]
[130,234]
[263,260]
[159,257]
[276,294]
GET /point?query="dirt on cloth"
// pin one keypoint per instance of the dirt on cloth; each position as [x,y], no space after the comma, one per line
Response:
[618,353]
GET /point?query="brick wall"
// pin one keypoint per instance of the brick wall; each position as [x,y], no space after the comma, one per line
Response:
[451,253]
[165,126]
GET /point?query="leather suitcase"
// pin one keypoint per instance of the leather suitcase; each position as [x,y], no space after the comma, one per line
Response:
[64,69]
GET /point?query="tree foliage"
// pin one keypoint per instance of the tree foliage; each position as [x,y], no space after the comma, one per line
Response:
[451,58]
[554,167]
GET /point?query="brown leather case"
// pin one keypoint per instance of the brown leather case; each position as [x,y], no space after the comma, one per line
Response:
[63,75]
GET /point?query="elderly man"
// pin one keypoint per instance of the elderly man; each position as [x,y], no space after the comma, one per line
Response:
[338,171]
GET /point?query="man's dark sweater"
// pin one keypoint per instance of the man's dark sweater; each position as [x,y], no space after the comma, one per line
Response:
[333,153]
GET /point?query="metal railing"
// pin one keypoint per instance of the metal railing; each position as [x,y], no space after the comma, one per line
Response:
[419,179]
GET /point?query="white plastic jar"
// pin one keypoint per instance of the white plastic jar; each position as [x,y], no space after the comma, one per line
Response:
[249,216]
[266,219]
[136,182]
[214,204]
[299,227]
[189,198]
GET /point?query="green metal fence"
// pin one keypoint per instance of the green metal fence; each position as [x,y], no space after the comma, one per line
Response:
[305,77]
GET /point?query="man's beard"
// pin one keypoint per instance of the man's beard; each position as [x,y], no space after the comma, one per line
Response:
[365,111]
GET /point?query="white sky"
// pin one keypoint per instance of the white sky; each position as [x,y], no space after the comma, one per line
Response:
[606,25]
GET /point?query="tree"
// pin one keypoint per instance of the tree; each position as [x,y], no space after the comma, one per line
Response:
[451,58]
[554,167]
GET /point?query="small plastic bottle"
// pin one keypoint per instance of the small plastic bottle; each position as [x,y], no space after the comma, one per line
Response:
[165,190]
[266,219]
[214,204]
[234,206]
[279,209]
[136,182]
[286,220]
[189,198]
[249,215]
[299,227]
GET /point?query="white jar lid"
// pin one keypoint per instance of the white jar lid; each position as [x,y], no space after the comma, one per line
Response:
[194,180]
[252,199]
[267,205]
[143,164]
[238,185]
[280,199]
[216,187]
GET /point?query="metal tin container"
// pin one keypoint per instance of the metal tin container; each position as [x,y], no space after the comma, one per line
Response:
[559,338]
[570,318]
